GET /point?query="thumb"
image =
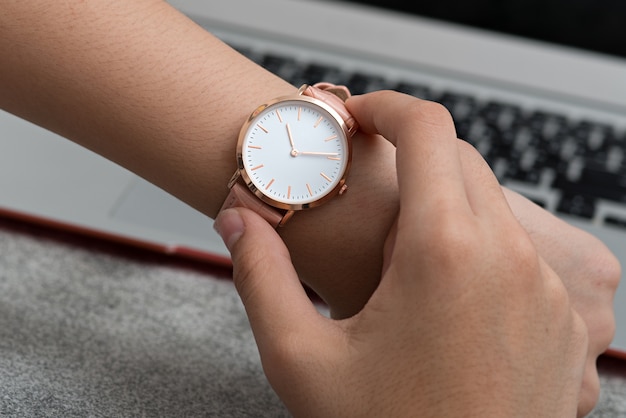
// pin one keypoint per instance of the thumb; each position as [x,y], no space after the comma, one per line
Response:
[275,301]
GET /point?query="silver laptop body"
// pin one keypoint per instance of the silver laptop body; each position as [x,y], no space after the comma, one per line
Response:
[470,70]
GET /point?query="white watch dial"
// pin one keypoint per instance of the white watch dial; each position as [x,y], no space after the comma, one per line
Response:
[295,152]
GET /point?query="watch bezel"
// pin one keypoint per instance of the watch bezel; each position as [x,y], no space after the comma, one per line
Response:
[266,198]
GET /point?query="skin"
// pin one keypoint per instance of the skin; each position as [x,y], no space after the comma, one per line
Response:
[142,85]
[467,321]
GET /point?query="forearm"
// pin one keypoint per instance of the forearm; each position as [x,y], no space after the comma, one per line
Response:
[136,82]
[142,85]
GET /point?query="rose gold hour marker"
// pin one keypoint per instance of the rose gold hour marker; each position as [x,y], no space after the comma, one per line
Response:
[289,192]
[317,122]
[280,118]
[334,158]
[269,184]
[257,167]
[299,112]
[254,147]
[330,138]
[308,187]
[262,128]
[326,177]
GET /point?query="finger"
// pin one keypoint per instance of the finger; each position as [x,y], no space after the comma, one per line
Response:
[482,187]
[433,121]
[590,389]
[389,247]
[427,155]
[275,301]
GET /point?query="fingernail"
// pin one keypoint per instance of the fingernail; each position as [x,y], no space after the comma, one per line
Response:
[229,226]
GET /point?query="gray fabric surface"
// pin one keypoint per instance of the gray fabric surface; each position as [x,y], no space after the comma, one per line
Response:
[87,331]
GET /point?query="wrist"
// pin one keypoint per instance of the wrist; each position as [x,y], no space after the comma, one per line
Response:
[337,249]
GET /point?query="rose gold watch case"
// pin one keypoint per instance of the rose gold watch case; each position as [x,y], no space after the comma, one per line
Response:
[241,171]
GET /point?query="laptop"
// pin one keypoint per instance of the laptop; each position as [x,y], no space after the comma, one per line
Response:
[538,87]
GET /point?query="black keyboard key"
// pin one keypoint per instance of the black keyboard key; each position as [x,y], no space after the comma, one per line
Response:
[274,63]
[548,125]
[462,106]
[615,221]
[615,158]
[577,205]
[485,138]
[361,83]
[527,168]
[502,116]
[594,136]
[596,182]
[286,68]
[418,90]
[314,73]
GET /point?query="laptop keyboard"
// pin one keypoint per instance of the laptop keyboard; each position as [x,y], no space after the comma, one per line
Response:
[567,166]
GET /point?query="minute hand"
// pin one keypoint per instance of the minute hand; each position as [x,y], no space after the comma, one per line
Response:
[326,154]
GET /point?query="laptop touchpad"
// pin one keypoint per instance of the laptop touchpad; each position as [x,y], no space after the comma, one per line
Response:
[147,205]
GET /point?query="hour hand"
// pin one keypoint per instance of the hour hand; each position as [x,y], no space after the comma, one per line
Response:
[294,151]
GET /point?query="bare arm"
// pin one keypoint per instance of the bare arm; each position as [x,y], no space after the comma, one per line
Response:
[142,85]
[136,82]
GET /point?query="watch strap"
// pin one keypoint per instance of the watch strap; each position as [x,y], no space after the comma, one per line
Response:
[239,194]
[335,96]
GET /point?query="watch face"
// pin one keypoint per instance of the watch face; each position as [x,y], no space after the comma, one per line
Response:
[294,153]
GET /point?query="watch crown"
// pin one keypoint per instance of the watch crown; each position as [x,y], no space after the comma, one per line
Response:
[343,189]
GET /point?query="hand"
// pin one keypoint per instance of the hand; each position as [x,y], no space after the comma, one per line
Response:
[588,269]
[590,273]
[467,320]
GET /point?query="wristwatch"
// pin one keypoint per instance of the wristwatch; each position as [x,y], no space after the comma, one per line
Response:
[293,153]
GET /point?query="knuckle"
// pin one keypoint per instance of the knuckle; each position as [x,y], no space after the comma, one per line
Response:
[522,247]
[590,390]
[470,154]
[521,257]
[605,330]
[580,333]
[431,113]
[600,272]
[451,243]
[557,295]
[605,270]
[597,264]
[602,329]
